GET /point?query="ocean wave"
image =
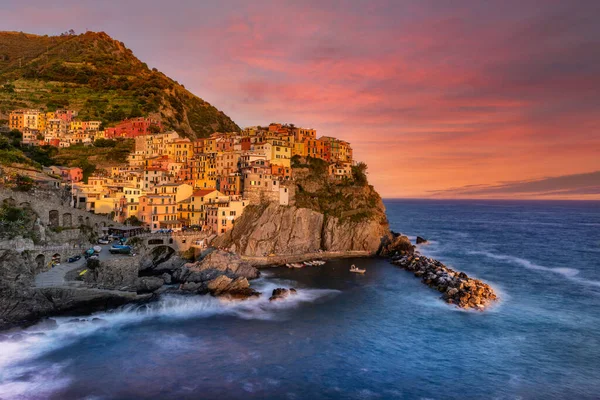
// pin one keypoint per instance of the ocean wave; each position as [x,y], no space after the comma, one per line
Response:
[569,273]
[16,380]
[32,382]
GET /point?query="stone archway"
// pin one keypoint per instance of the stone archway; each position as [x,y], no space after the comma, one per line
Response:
[25,205]
[53,218]
[80,220]
[40,262]
[67,220]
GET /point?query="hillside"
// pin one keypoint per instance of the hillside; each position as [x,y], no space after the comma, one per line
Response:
[101,79]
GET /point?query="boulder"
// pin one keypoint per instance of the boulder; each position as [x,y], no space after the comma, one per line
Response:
[398,245]
[421,240]
[233,289]
[219,284]
[193,287]
[281,294]
[148,284]
[224,262]
[166,278]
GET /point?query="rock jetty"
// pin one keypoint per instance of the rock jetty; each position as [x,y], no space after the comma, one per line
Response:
[456,287]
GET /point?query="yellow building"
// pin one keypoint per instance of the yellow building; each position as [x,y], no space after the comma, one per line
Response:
[298,149]
[180,150]
[210,145]
[75,125]
[281,152]
[16,120]
[42,118]
[192,211]
[205,172]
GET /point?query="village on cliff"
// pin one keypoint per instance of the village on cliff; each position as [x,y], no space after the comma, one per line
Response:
[171,183]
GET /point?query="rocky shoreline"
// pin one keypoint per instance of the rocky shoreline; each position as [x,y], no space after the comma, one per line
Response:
[457,288]
[219,273]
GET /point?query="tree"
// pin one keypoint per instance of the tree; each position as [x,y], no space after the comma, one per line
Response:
[359,173]
[154,128]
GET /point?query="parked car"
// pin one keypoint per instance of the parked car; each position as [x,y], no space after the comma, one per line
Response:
[120,249]
[74,258]
[103,241]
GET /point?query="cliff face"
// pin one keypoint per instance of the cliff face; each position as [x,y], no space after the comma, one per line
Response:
[326,216]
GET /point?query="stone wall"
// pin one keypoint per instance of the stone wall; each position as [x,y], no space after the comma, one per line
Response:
[53,211]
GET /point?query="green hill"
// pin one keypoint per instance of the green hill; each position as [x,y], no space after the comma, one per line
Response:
[101,79]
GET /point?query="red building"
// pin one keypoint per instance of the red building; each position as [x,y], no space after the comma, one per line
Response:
[133,127]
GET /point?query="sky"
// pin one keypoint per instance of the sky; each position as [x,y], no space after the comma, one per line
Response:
[441,98]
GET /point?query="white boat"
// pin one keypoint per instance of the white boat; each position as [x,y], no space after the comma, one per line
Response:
[297,265]
[97,249]
[353,268]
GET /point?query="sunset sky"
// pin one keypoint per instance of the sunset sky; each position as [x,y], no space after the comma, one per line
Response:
[439,98]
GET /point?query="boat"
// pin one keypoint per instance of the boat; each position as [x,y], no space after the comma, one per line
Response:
[297,265]
[353,268]
[97,249]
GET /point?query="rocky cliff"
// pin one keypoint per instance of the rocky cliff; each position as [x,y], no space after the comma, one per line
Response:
[326,216]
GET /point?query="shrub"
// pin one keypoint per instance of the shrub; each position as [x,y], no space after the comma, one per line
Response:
[105,143]
[23,183]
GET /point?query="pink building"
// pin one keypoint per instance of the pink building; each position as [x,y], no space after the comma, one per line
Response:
[131,128]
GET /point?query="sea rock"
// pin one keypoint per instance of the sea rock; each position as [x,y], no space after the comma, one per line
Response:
[193,287]
[219,284]
[421,240]
[224,262]
[148,284]
[233,289]
[166,278]
[281,294]
[399,245]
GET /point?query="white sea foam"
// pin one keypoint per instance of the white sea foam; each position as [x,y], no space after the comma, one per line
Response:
[32,382]
[570,273]
[17,380]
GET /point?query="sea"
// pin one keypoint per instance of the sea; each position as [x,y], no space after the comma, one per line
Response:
[382,335]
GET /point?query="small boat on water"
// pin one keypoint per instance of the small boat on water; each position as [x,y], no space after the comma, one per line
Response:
[97,249]
[354,268]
